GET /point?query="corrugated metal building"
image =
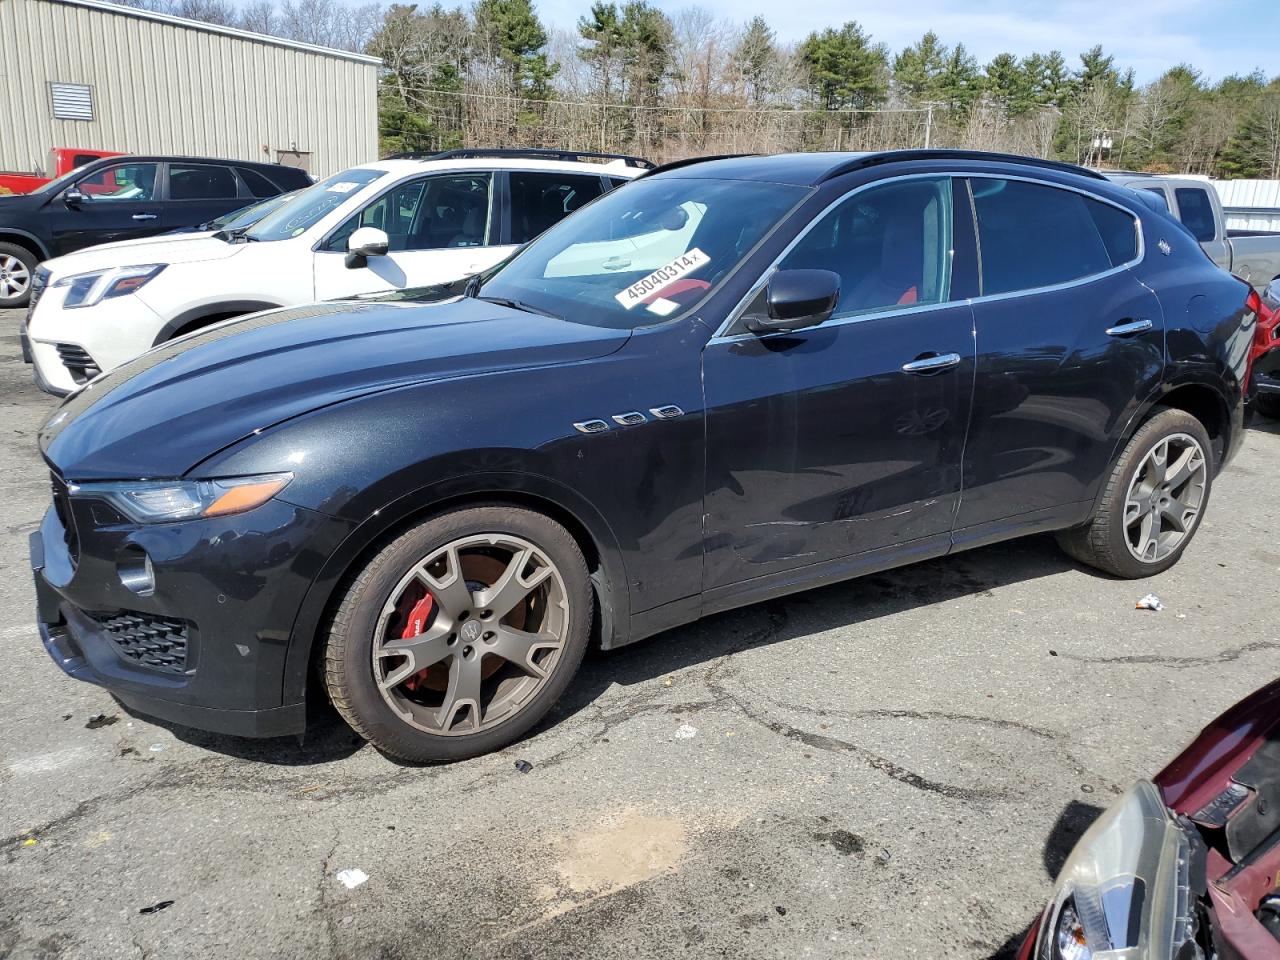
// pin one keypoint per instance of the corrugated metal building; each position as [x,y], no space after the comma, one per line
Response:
[87,74]
[1252,204]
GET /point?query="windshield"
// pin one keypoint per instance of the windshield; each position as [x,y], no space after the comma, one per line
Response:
[643,252]
[58,183]
[248,216]
[311,204]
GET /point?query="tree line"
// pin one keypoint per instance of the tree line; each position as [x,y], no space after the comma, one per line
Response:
[633,78]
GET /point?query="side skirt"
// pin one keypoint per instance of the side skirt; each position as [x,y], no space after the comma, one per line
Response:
[812,576]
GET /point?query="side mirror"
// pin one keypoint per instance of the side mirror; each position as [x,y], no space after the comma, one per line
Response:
[72,197]
[365,243]
[796,299]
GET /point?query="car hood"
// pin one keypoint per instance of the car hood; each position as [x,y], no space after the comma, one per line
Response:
[191,248]
[15,202]
[1214,759]
[188,236]
[163,413]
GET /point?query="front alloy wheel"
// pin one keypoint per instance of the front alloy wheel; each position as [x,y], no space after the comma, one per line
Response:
[470,634]
[459,636]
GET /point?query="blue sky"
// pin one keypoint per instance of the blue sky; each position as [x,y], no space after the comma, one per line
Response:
[1218,36]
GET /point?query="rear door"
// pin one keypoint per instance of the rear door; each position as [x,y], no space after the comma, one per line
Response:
[199,192]
[847,437]
[120,201]
[440,227]
[1069,345]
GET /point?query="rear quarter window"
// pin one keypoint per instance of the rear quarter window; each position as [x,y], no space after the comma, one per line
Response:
[258,185]
[1033,235]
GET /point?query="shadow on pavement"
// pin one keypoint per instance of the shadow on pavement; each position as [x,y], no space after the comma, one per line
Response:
[813,611]
[776,621]
[1071,824]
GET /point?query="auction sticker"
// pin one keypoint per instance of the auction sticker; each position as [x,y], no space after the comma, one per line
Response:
[663,277]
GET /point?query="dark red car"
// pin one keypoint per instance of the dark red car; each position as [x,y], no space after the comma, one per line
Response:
[1184,867]
[1264,356]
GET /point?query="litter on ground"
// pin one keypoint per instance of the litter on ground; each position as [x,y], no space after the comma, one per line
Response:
[352,877]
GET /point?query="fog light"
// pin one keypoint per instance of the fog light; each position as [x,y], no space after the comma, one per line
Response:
[133,566]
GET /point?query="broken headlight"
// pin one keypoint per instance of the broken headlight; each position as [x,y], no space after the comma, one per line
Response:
[1124,893]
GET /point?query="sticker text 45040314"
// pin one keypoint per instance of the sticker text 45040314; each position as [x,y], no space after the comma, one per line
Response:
[661,278]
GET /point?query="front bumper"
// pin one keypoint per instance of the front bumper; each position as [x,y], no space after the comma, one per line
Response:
[107,334]
[206,646]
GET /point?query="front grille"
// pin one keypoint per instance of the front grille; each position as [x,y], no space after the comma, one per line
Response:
[62,508]
[156,642]
[76,359]
[39,280]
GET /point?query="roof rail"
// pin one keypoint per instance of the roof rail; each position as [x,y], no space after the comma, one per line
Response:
[893,156]
[529,153]
[690,161]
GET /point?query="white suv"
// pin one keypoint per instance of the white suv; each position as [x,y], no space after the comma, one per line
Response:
[403,222]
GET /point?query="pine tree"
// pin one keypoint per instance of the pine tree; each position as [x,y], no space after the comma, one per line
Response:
[846,71]
[510,32]
[754,58]
[917,68]
[1010,84]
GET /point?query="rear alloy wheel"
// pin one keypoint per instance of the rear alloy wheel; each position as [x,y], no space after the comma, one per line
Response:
[16,268]
[1153,502]
[461,634]
[1164,498]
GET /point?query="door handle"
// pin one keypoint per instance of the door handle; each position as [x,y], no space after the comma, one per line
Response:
[932,364]
[1129,327]
[144,216]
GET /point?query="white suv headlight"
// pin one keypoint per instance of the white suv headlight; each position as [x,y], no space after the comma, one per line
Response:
[1124,893]
[87,289]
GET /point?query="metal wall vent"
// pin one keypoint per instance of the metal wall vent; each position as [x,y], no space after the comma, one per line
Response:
[72,101]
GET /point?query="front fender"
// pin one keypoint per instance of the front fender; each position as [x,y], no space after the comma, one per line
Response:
[386,458]
[525,489]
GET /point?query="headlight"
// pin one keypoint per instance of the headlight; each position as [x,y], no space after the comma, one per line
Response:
[160,501]
[86,289]
[1124,893]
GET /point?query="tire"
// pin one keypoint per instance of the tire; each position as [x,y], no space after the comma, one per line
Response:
[1110,544]
[1267,405]
[415,706]
[17,268]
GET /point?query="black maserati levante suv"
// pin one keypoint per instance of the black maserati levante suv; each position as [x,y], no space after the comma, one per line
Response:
[732,379]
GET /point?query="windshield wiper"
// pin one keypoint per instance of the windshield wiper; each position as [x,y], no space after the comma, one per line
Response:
[232,236]
[519,305]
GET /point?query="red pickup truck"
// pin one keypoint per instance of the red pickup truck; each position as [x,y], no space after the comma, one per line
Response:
[63,160]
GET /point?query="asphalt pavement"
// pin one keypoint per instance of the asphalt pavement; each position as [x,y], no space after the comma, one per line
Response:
[892,767]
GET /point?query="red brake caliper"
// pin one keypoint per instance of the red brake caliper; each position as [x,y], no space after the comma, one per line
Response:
[414,624]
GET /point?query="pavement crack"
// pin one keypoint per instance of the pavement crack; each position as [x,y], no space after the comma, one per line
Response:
[876,762]
[828,744]
[322,886]
[1178,663]
[926,715]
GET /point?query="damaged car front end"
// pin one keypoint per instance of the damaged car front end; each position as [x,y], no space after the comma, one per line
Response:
[1184,867]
